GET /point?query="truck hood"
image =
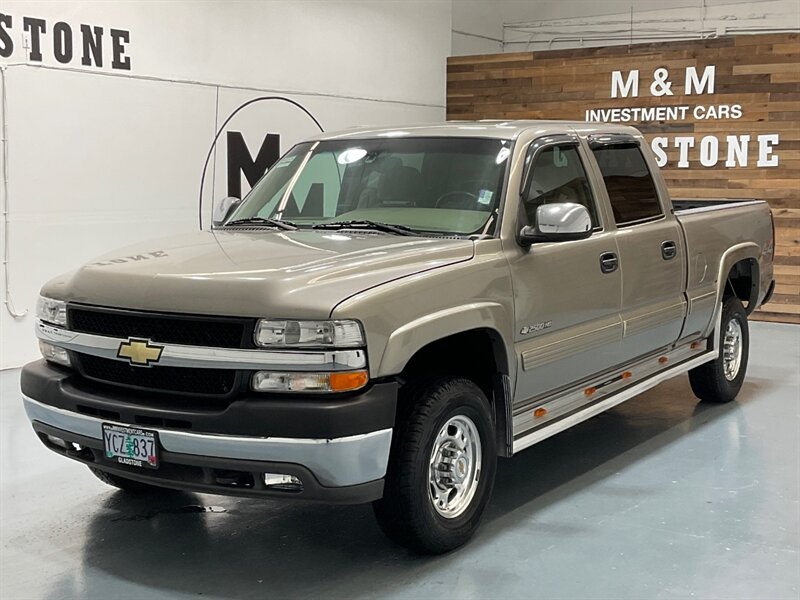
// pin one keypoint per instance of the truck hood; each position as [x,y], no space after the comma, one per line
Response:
[255,273]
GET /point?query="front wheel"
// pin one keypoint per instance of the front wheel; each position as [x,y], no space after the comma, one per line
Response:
[721,379]
[442,467]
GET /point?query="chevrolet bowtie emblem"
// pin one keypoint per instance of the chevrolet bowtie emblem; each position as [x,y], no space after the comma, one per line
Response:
[140,352]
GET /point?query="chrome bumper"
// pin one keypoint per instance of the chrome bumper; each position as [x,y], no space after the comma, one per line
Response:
[336,462]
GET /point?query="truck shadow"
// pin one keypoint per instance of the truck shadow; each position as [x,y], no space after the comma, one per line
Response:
[243,548]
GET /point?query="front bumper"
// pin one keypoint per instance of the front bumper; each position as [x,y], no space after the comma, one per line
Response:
[207,451]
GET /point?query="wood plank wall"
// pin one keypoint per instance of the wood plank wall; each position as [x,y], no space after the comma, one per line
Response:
[761,73]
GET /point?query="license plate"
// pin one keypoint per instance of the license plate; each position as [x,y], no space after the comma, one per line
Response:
[130,446]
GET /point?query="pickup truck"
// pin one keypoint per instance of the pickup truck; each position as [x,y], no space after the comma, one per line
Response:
[388,311]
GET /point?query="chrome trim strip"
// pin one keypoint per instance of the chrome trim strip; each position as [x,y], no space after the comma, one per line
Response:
[590,411]
[176,355]
[335,462]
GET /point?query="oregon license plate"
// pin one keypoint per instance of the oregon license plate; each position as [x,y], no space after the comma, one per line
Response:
[130,446]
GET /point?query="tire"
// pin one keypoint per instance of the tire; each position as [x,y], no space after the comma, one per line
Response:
[127,485]
[711,382]
[440,417]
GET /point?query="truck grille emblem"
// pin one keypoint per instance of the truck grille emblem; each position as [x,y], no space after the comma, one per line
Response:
[140,352]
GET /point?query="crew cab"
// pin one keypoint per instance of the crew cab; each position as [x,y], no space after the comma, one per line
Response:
[388,311]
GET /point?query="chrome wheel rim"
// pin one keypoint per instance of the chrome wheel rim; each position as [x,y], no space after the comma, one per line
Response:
[455,467]
[732,350]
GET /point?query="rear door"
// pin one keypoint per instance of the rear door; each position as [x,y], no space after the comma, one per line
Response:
[650,246]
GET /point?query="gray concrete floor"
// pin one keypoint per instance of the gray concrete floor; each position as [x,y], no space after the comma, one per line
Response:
[659,498]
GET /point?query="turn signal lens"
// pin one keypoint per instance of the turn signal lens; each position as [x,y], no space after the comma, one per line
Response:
[343,382]
[267,381]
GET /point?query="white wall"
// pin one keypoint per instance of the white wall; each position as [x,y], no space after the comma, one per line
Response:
[477,27]
[525,25]
[98,157]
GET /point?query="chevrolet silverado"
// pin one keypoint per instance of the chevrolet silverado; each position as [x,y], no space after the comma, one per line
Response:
[388,311]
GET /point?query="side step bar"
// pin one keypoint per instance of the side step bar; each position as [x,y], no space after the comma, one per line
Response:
[590,411]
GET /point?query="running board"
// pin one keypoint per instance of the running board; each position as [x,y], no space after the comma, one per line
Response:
[559,425]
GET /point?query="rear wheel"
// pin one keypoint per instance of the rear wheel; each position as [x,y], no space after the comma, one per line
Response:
[442,468]
[127,485]
[721,379]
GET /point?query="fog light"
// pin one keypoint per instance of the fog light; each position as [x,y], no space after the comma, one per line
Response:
[54,354]
[281,481]
[56,441]
[267,381]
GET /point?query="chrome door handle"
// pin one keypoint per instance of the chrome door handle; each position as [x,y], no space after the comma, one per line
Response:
[609,262]
[669,250]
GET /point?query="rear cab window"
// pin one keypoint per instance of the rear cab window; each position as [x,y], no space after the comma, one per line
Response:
[629,183]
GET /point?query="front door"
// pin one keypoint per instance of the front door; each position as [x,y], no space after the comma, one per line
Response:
[566,300]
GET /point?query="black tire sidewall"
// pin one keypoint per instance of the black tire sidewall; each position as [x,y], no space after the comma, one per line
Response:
[469,403]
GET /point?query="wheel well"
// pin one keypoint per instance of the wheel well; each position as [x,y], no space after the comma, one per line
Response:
[478,355]
[743,283]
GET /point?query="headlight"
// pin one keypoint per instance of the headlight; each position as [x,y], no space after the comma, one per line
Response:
[266,381]
[297,334]
[54,353]
[52,311]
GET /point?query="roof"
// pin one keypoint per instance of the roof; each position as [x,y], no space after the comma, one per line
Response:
[506,130]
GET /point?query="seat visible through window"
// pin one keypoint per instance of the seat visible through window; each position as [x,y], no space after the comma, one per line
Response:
[557,176]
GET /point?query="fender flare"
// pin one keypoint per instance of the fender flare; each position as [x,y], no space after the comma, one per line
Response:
[733,255]
[408,339]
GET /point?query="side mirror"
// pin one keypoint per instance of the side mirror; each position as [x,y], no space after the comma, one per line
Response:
[558,222]
[222,209]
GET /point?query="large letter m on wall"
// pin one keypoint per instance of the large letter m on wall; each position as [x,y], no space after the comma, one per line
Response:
[625,87]
[240,161]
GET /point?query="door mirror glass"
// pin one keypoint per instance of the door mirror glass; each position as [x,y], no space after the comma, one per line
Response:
[558,222]
[223,209]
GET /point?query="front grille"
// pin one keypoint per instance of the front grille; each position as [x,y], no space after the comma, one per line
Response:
[190,330]
[218,382]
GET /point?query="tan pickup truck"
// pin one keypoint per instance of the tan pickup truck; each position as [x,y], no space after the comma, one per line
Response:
[388,311]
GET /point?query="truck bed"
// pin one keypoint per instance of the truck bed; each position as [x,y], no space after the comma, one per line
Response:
[713,228]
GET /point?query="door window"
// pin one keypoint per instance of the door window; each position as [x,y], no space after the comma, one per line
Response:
[557,176]
[630,185]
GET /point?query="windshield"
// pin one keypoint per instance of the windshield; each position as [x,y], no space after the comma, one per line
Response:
[430,185]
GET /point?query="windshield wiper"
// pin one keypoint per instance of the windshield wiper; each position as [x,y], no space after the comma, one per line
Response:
[285,225]
[364,224]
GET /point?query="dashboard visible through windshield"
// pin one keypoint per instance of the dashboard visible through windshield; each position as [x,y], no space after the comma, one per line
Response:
[418,185]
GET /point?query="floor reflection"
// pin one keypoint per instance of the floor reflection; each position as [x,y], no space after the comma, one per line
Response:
[243,548]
